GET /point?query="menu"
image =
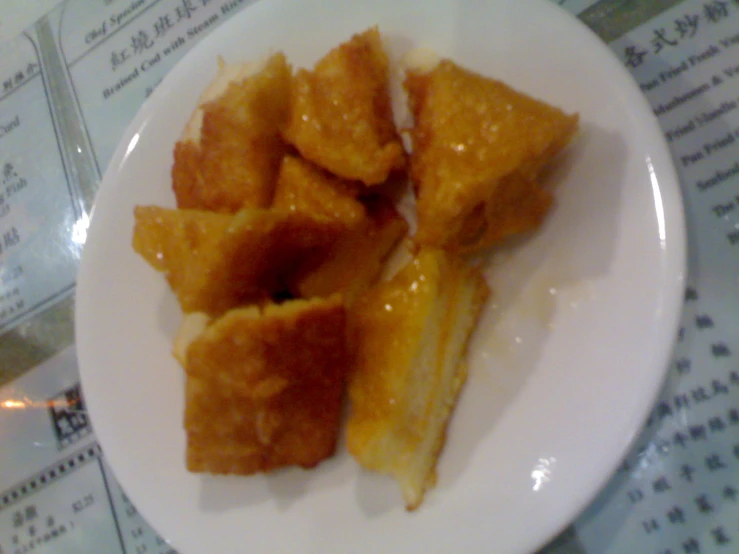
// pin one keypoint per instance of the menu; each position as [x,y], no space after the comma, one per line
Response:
[70,84]
[37,196]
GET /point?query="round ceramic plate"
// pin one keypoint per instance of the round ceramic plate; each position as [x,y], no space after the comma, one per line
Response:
[565,364]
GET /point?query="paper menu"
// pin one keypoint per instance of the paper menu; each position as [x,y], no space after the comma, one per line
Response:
[57,494]
[38,202]
[117,52]
[677,492]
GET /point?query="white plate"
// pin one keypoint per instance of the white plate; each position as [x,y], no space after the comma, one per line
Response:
[565,366]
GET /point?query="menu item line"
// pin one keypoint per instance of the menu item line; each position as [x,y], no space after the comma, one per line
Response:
[102,31]
[48,476]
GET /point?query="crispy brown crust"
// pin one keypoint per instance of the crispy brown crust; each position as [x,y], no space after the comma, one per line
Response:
[373,228]
[235,162]
[340,113]
[186,175]
[358,257]
[478,150]
[169,239]
[304,187]
[264,390]
[215,262]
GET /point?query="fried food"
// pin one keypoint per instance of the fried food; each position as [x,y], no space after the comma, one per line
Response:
[478,150]
[373,226]
[304,187]
[215,262]
[264,390]
[230,152]
[340,114]
[359,256]
[282,233]
[171,239]
[409,338]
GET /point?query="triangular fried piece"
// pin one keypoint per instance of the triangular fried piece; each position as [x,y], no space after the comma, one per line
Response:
[170,239]
[265,390]
[216,262]
[340,113]
[409,337]
[478,149]
[357,260]
[230,153]
[373,225]
[303,187]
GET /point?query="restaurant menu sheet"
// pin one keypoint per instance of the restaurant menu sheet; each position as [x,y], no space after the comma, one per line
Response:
[70,84]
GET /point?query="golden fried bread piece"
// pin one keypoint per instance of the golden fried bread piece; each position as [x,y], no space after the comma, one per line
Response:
[304,187]
[373,225]
[478,149]
[358,258]
[170,239]
[215,262]
[409,337]
[340,115]
[230,152]
[264,390]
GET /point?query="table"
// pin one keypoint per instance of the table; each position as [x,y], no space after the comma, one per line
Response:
[66,96]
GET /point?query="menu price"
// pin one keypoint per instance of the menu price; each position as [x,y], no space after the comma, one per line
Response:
[57,493]
[77,503]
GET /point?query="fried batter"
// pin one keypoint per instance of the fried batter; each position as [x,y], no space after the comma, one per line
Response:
[303,187]
[340,113]
[230,153]
[373,225]
[478,149]
[264,391]
[357,260]
[171,239]
[216,262]
[410,335]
